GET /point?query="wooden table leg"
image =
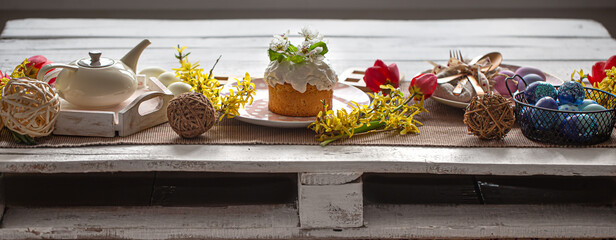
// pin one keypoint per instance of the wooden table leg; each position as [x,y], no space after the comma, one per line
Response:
[330,200]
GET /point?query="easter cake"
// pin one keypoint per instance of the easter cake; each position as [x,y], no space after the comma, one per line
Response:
[299,78]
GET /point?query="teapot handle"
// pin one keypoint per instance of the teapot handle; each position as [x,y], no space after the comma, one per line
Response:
[43,71]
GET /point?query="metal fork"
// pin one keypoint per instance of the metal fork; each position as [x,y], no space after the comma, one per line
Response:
[458,55]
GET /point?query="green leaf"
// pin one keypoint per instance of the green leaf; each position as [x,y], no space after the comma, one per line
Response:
[319,44]
[296,59]
[273,55]
[292,48]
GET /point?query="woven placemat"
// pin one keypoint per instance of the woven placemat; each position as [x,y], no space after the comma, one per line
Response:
[443,127]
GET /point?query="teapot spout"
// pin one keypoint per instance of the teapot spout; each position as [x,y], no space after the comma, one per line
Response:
[131,58]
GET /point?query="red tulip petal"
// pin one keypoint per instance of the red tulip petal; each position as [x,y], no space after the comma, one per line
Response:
[394,74]
[598,72]
[380,63]
[611,62]
[374,78]
[423,84]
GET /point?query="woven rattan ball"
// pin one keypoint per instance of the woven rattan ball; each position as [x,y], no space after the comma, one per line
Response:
[489,116]
[191,114]
[29,107]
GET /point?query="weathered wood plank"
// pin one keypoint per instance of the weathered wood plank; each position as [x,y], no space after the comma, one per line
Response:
[208,56]
[95,28]
[259,158]
[331,178]
[335,43]
[331,206]
[280,222]
[149,222]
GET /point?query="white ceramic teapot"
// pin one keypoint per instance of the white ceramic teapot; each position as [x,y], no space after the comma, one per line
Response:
[95,81]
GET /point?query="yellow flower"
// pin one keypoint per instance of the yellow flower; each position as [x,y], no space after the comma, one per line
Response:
[204,83]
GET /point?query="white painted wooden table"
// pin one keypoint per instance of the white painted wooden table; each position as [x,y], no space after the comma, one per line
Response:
[330,203]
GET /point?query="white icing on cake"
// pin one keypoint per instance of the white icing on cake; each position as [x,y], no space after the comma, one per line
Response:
[318,74]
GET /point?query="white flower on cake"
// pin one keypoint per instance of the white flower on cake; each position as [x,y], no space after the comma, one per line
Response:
[284,36]
[279,44]
[312,55]
[311,35]
[312,49]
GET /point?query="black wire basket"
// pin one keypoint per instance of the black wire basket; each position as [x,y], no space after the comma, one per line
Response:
[567,127]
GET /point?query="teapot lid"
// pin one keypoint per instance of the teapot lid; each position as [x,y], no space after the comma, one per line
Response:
[95,60]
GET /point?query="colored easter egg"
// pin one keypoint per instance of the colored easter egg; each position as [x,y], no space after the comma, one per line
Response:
[537,90]
[586,102]
[523,71]
[568,107]
[593,108]
[530,79]
[579,127]
[547,102]
[571,92]
[499,83]
[540,119]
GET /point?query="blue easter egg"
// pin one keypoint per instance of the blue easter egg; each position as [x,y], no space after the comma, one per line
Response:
[568,107]
[579,127]
[586,102]
[537,90]
[540,119]
[593,108]
[529,79]
[571,93]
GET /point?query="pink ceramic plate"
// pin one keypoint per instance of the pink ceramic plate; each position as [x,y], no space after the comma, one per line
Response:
[258,114]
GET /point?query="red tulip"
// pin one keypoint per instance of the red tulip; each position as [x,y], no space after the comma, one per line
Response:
[423,85]
[598,70]
[381,74]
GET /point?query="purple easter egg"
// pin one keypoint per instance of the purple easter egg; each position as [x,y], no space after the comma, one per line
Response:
[530,78]
[499,83]
[579,127]
[547,102]
[539,89]
[523,71]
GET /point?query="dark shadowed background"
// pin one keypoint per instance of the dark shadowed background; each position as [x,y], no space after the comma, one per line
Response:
[598,10]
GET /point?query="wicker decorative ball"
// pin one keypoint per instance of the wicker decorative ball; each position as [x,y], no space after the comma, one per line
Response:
[29,107]
[489,116]
[191,114]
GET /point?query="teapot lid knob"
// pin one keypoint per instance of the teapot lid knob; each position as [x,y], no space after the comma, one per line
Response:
[95,60]
[95,56]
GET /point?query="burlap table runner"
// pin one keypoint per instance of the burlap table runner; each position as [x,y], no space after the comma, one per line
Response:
[443,127]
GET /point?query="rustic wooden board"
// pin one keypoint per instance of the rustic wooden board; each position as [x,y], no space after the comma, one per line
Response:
[280,222]
[57,28]
[259,158]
